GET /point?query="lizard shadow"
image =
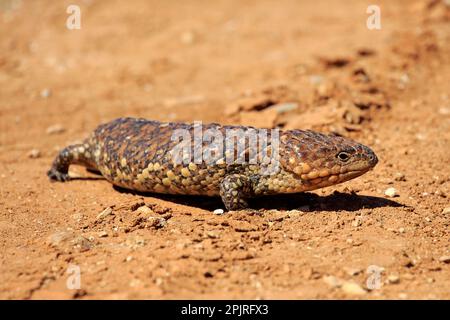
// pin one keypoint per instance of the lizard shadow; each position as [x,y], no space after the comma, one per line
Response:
[86,178]
[306,201]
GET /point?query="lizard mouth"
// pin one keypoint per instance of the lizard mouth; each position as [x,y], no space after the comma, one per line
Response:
[352,174]
[328,178]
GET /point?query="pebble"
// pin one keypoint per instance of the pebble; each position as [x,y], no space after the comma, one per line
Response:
[212,234]
[446,210]
[103,234]
[145,210]
[187,37]
[444,111]
[393,279]
[445,259]
[55,129]
[46,93]
[353,288]
[58,238]
[315,79]
[82,244]
[275,215]
[285,107]
[66,240]
[352,271]
[391,192]
[34,154]
[243,226]
[156,222]
[399,177]
[218,211]
[357,222]
[104,213]
[332,281]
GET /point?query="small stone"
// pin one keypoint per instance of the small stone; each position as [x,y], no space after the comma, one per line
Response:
[34,154]
[444,111]
[187,37]
[401,230]
[55,129]
[315,79]
[104,213]
[332,281]
[399,176]
[82,244]
[352,271]
[445,259]
[156,222]
[276,216]
[59,237]
[404,78]
[243,226]
[393,279]
[285,107]
[212,234]
[103,234]
[353,288]
[446,210]
[357,222]
[391,192]
[145,210]
[46,93]
[218,211]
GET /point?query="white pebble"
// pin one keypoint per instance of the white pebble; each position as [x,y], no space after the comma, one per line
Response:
[46,93]
[218,211]
[187,37]
[104,213]
[34,154]
[353,288]
[393,279]
[391,192]
[55,129]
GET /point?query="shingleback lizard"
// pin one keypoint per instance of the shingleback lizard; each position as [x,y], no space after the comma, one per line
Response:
[137,154]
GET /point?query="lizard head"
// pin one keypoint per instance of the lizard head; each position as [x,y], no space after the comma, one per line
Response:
[320,160]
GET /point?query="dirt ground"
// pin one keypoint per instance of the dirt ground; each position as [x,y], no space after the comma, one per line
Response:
[290,64]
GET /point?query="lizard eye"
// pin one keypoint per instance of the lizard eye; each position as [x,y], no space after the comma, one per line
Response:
[343,156]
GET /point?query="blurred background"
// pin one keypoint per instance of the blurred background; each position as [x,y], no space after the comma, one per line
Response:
[285,63]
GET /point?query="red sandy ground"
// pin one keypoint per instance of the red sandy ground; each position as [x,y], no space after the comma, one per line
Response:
[227,61]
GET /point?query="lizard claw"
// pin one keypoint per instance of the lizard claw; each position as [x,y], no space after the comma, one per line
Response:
[55,175]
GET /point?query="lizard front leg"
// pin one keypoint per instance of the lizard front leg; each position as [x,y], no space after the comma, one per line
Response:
[234,189]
